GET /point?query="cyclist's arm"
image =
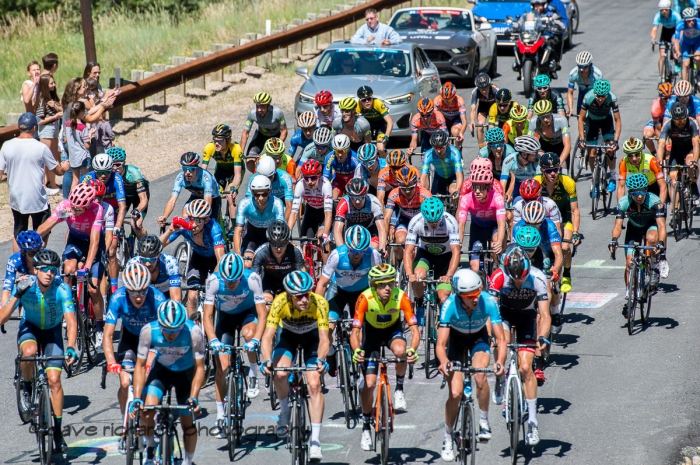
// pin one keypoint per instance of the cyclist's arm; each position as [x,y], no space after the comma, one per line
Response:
[381,233]
[109,235]
[617,227]
[237,178]
[408,256]
[120,215]
[255,285]
[472,114]
[108,342]
[456,250]
[558,257]
[570,99]
[166,237]
[581,121]
[7,309]
[169,206]
[139,376]
[443,335]
[283,132]
[566,141]
[576,216]
[389,124]
[198,349]
[544,321]
[47,226]
[211,288]
[287,210]
[696,148]
[361,307]
[244,137]
[618,124]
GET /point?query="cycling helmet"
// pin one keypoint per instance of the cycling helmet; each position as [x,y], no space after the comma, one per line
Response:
[307,119]
[136,276]
[682,88]
[29,240]
[99,186]
[81,196]
[679,111]
[102,162]
[365,92]
[528,237]
[601,87]
[117,154]
[324,98]
[543,107]
[367,153]
[274,146]
[495,136]
[541,80]
[262,98]
[527,144]
[481,177]
[407,176]
[381,273]
[664,4]
[516,263]
[190,159]
[356,187]
[172,315]
[222,131]
[665,90]
[432,210]
[198,208]
[149,245]
[46,257]
[439,138]
[584,59]
[323,135]
[231,267]
[347,104]
[260,183]
[537,2]
[396,158]
[689,13]
[311,167]
[632,145]
[503,96]
[341,142]
[518,113]
[425,106]
[266,166]
[530,189]
[636,181]
[480,164]
[297,282]
[357,238]
[534,212]
[448,91]
[466,281]
[549,160]
[278,231]
[482,80]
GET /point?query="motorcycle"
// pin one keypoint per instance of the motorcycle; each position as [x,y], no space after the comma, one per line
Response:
[533,55]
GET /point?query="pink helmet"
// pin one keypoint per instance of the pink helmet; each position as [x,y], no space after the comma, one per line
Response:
[82,196]
[480,164]
[481,177]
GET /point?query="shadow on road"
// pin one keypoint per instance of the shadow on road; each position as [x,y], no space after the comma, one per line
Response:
[563,361]
[406,455]
[74,453]
[250,442]
[669,323]
[552,405]
[565,340]
[77,402]
[545,447]
[578,318]
[667,288]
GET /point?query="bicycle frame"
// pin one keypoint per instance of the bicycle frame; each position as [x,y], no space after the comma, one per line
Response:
[236,400]
[132,432]
[639,289]
[313,255]
[431,305]
[348,373]
[600,171]
[485,264]
[165,429]
[680,198]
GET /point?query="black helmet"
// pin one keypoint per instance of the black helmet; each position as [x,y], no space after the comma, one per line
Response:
[503,96]
[149,245]
[439,138]
[278,231]
[190,159]
[356,187]
[482,80]
[365,92]
[222,130]
[46,257]
[516,263]
[679,111]
[549,160]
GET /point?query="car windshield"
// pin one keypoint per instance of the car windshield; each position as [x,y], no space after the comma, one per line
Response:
[364,61]
[435,19]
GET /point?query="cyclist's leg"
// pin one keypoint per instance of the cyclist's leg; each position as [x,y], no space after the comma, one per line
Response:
[527,334]
[687,50]
[182,383]
[481,356]
[128,342]
[28,347]
[225,330]
[372,341]
[455,352]
[421,265]
[593,128]
[313,378]
[441,265]
[649,132]
[282,357]
[255,148]
[397,344]
[481,118]
[608,131]
[251,240]
[155,386]
[248,325]
[636,234]
[98,303]
[478,237]
[566,247]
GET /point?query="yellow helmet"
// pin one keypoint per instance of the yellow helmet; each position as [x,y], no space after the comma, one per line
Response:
[518,113]
[262,98]
[543,107]
[347,104]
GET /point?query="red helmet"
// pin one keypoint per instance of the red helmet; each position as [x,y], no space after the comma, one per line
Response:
[530,189]
[99,187]
[324,98]
[81,196]
[448,91]
[311,167]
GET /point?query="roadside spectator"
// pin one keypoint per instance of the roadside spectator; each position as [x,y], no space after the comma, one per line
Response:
[49,112]
[24,160]
[29,87]
[104,136]
[50,61]
[374,32]
[92,70]
[78,138]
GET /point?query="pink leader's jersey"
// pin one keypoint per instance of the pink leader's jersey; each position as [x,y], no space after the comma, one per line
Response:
[82,225]
[483,214]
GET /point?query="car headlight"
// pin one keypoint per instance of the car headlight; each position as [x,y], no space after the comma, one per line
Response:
[304,98]
[400,100]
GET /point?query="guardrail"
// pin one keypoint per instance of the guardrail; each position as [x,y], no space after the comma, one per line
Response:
[178,75]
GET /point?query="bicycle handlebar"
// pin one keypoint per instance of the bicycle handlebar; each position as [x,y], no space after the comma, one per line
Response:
[295,369]
[169,407]
[305,239]
[227,349]
[480,251]
[41,358]
[87,277]
[385,360]
[484,125]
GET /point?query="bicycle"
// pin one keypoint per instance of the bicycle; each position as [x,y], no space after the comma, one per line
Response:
[639,288]
[668,64]
[197,316]
[40,412]
[313,255]
[395,258]
[383,407]
[131,426]
[477,125]
[86,324]
[465,435]
[682,207]
[126,245]
[485,263]
[166,419]
[450,202]
[432,317]
[348,372]
[599,186]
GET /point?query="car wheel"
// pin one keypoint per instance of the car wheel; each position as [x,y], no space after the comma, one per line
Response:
[493,67]
[475,70]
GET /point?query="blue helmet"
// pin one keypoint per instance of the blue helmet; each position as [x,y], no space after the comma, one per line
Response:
[29,240]
[636,181]
[367,154]
[432,210]
[172,315]
[357,238]
[297,282]
[231,267]
[528,237]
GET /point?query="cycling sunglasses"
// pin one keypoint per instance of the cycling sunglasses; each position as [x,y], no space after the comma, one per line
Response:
[261,194]
[171,332]
[322,148]
[635,155]
[138,293]
[189,169]
[303,296]
[583,67]
[470,295]
[117,165]
[439,148]
[543,88]
[497,145]
[278,245]
[368,99]
[342,151]
[385,284]
[551,170]
[199,220]
[219,141]
[639,193]
[544,116]
[103,172]
[407,189]
[356,198]
[148,259]
[48,269]
[311,178]
[503,105]
[481,187]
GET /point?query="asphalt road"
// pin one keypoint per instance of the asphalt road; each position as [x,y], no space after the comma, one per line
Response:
[610,398]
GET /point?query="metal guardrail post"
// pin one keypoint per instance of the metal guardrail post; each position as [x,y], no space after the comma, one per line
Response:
[137,75]
[236,67]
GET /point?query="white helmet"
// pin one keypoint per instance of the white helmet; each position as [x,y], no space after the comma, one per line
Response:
[534,212]
[260,183]
[682,88]
[266,166]
[307,119]
[465,281]
[341,142]
[102,162]
[136,276]
[527,144]
[664,4]
[322,135]
[585,58]
[689,13]
[198,208]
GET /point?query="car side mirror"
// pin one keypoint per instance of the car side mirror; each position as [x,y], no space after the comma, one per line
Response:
[303,71]
[485,26]
[509,18]
[471,1]
[428,73]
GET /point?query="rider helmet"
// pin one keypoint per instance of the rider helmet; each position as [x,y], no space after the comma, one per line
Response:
[584,59]
[664,4]
[323,135]
[324,98]
[46,257]
[190,159]
[367,153]
[495,136]
[503,96]
[527,144]
[260,183]
[480,164]
[262,98]
[665,90]
[448,91]
[534,212]
[307,119]
[172,315]
[356,187]
[118,154]
[396,158]
[481,177]
[439,138]
[682,88]
[425,106]
[297,282]
[136,276]
[482,80]
[274,146]
[516,263]
[81,196]
[365,92]
[347,104]
[543,107]
[636,181]
[357,238]
[99,186]
[689,13]
[530,189]
[528,237]
[311,167]
[266,166]
[29,240]
[407,177]
[102,162]
[341,142]
[601,88]
[382,273]
[222,131]
[679,111]
[231,267]
[541,80]
[432,210]
[549,160]
[278,232]
[632,145]
[149,245]
[518,113]
[466,281]
[198,208]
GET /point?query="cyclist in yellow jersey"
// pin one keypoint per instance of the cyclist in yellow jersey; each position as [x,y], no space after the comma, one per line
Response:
[517,125]
[229,169]
[377,114]
[304,316]
[499,112]
[274,147]
[377,323]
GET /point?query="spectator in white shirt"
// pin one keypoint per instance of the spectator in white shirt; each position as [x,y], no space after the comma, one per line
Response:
[375,33]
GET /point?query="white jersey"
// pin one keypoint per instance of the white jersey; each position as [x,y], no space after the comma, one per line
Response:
[347,276]
[321,197]
[435,241]
[550,207]
[327,120]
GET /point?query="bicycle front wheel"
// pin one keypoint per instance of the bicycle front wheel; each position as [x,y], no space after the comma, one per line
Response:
[467,451]
[688,211]
[631,297]
[44,428]
[270,380]
[132,444]
[25,411]
[167,449]
[74,369]
[577,162]
[650,292]
[514,419]
[344,379]
[676,216]
[596,186]
[384,429]
[89,325]
[427,340]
